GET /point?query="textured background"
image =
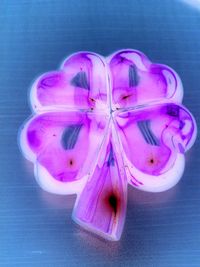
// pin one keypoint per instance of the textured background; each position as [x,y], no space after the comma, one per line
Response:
[35,227]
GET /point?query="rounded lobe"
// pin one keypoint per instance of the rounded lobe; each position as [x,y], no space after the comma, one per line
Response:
[135,80]
[81,83]
[154,140]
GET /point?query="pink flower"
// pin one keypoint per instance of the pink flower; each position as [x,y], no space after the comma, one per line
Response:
[100,124]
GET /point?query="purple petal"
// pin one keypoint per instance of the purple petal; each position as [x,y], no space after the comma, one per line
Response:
[81,83]
[135,80]
[64,144]
[154,140]
[101,207]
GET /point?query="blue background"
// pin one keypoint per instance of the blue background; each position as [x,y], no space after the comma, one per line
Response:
[36,227]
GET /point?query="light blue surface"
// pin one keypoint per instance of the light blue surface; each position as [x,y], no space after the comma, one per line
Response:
[36,229]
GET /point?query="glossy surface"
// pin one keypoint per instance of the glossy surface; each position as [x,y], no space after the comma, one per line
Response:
[161,229]
[131,103]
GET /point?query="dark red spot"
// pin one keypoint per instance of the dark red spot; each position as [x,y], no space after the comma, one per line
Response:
[125,97]
[151,161]
[112,201]
[71,162]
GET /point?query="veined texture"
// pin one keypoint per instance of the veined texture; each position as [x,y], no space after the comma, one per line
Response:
[100,124]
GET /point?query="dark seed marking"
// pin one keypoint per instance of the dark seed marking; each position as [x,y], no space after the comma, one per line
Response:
[152,161]
[147,133]
[173,110]
[125,97]
[80,80]
[111,160]
[70,136]
[133,76]
[113,202]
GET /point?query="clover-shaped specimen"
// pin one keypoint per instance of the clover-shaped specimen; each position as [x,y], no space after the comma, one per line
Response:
[100,124]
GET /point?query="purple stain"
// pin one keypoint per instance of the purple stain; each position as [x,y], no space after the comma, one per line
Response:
[33,139]
[181,148]
[173,110]
[111,160]
[131,136]
[181,125]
